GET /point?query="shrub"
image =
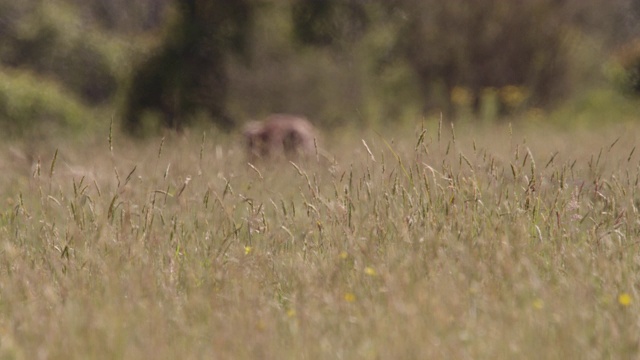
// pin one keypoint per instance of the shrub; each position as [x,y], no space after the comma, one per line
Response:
[30,104]
[625,68]
[51,40]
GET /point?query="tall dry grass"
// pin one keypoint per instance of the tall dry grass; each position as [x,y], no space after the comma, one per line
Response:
[430,243]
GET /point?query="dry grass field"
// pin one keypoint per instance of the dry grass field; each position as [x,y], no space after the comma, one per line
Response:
[494,243]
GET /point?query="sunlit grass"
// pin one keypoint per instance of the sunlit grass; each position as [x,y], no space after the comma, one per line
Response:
[431,243]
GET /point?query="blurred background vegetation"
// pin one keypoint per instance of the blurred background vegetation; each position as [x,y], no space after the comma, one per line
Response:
[154,64]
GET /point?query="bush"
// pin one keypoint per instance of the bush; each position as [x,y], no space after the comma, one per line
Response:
[492,44]
[30,104]
[51,40]
[625,68]
[186,75]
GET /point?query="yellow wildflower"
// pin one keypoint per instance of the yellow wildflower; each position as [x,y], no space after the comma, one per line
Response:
[349,297]
[247,250]
[513,96]
[538,304]
[625,299]
[370,271]
[461,96]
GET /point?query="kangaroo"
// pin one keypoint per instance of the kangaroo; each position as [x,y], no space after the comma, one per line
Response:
[280,135]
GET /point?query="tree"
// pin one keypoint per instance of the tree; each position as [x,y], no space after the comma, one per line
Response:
[187,73]
[456,43]
[326,22]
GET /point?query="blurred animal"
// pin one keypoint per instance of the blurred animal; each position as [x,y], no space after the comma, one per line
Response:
[280,135]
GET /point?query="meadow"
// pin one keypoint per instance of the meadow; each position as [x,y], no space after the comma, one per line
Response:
[432,242]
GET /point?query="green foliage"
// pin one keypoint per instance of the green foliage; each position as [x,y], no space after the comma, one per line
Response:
[480,47]
[187,74]
[624,68]
[50,39]
[397,60]
[30,104]
[124,16]
[326,22]
[596,106]
[282,78]
[490,44]
[337,61]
